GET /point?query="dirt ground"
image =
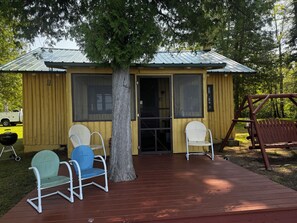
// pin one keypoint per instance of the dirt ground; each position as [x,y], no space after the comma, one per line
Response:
[283,162]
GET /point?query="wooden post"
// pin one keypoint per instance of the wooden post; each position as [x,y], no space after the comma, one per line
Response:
[234,121]
[259,137]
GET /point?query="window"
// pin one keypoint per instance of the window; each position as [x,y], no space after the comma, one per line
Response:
[210,103]
[92,97]
[99,100]
[188,102]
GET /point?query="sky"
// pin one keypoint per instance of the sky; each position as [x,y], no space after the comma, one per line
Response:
[65,44]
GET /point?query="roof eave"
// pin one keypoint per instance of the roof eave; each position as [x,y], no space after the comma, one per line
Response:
[231,72]
[65,65]
[32,71]
[184,65]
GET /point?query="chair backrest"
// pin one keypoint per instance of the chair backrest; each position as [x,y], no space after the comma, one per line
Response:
[84,155]
[47,162]
[196,131]
[79,135]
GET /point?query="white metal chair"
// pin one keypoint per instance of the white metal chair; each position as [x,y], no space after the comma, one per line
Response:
[80,135]
[82,158]
[45,165]
[196,136]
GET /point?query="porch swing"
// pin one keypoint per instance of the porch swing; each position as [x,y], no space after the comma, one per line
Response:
[265,134]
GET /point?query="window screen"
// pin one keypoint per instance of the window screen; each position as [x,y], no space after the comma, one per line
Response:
[92,97]
[188,96]
[99,99]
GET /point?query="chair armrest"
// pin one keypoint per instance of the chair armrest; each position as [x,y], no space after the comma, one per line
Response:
[102,142]
[210,136]
[36,173]
[68,167]
[75,163]
[102,160]
[98,133]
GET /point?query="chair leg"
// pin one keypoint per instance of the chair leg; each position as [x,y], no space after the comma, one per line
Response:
[101,187]
[212,152]
[106,182]
[37,207]
[80,193]
[81,196]
[187,154]
[39,200]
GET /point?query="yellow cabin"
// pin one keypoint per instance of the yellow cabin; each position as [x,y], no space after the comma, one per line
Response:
[62,87]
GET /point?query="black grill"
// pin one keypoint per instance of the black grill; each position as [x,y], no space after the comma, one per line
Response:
[8,138]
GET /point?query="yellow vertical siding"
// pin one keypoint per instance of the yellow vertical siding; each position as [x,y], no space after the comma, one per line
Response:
[44,99]
[48,109]
[221,119]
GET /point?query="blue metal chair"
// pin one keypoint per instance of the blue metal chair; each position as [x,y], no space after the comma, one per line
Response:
[45,165]
[82,158]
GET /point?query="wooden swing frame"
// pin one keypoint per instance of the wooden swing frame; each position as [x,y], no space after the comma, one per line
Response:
[271,133]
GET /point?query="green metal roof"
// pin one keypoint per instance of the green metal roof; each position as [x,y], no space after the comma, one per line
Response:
[57,60]
[231,65]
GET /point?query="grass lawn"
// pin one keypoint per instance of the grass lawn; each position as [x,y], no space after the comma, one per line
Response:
[18,129]
[16,180]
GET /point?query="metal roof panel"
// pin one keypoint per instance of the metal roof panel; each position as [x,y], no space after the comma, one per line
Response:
[34,61]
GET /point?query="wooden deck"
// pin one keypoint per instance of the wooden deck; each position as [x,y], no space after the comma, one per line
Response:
[171,189]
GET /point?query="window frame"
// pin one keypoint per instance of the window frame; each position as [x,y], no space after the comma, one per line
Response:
[202,96]
[133,114]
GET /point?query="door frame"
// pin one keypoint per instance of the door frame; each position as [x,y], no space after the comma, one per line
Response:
[169,78]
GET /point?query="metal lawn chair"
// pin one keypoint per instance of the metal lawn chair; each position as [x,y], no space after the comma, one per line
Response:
[196,136]
[80,135]
[45,165]
[82,158]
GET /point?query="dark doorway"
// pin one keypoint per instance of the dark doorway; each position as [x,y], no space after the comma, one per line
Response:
[154,119]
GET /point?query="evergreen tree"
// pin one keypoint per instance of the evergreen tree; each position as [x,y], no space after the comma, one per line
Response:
[244,37]
[10,84]
[119,32]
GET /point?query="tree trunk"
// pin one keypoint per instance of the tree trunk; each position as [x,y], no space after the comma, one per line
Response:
[281,83]
[236,90]
[121,163]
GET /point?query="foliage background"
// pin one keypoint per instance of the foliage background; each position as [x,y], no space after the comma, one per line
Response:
[262,35]
[10,84]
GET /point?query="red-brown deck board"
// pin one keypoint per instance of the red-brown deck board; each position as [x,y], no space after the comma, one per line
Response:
[171,189]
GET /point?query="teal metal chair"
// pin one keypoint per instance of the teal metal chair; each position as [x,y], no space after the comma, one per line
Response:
[82,158]
[45,165]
